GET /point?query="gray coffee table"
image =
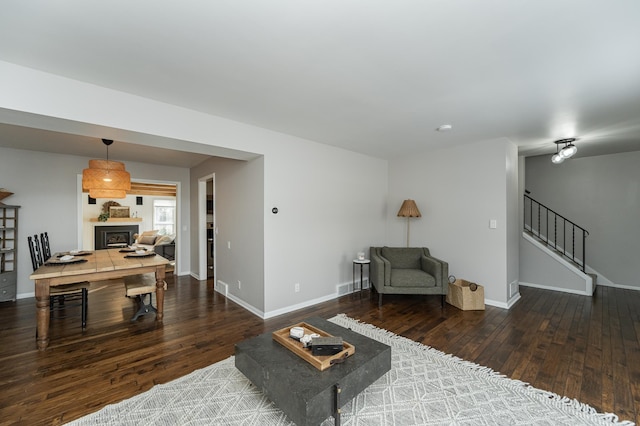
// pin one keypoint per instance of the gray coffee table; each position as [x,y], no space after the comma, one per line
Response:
[305,394]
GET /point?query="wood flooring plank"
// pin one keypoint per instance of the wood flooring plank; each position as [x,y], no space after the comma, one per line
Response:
[582,347]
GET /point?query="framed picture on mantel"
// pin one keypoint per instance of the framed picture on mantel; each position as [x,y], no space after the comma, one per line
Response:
[118,211]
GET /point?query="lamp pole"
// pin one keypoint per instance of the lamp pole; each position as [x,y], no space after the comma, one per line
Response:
[409,210]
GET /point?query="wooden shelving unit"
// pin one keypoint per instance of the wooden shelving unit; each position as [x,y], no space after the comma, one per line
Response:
[8,252]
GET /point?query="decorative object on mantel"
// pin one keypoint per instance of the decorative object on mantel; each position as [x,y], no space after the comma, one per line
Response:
[4,194]
[119,211]
[105,218]
[409,210]
[106,210]
[106,179]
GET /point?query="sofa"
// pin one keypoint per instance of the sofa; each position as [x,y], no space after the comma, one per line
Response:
[164,245]
[407,270]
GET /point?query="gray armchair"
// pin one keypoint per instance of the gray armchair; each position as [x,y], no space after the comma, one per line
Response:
[410,270]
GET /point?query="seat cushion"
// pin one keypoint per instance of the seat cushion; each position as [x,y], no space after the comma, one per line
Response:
[402,258]
[411,278]
[140,284]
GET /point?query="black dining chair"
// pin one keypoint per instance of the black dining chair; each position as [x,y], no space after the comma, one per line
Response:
[46,249]
[59,296]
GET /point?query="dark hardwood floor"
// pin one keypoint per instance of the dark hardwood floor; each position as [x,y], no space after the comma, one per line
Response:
[582,347]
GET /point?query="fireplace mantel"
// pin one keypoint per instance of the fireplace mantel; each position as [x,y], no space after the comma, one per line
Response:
[117,219]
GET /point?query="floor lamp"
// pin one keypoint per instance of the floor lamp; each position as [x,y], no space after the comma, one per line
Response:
[409,210]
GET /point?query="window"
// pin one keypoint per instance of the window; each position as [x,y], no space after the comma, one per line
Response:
[164,216]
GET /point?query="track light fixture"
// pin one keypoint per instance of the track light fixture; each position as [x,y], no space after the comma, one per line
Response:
[567,151]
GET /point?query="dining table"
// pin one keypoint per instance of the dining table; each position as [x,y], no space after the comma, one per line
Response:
[92,266]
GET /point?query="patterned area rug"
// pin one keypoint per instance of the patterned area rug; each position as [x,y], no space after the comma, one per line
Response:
[424,387]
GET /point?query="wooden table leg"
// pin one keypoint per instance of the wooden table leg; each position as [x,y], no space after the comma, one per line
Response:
[160,271]
[42,314]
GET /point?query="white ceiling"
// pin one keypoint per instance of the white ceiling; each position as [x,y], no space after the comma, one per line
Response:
[372,76]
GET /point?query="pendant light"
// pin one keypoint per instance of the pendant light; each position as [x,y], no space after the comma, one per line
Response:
[106,178]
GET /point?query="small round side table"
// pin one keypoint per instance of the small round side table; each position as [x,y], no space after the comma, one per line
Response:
[360,262]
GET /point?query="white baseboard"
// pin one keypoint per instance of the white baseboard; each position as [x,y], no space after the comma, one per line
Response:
[623,286]
[255,311]
[562,290]
[497,304]
[25,295]
[223,288]
[301,305]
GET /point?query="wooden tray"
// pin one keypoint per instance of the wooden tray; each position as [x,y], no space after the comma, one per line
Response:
[320,362]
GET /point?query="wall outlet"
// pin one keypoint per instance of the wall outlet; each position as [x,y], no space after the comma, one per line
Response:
[239,285]
[296,287]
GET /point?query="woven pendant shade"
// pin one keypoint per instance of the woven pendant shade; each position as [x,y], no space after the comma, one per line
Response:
[106,179]
[409,209]
[106,165]
[107,193]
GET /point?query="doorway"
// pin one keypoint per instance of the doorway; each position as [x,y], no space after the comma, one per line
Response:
[206,228]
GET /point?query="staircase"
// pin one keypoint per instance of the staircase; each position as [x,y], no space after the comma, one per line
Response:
[561,239]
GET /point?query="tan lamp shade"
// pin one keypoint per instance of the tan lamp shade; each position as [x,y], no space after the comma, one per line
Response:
[409,209]
[107,193]
[116,185]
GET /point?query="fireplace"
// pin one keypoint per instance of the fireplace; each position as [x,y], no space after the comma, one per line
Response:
[114,236]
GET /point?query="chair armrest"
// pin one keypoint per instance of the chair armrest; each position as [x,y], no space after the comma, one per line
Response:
[445,269]
[432,267]
[380,269]
[441,272]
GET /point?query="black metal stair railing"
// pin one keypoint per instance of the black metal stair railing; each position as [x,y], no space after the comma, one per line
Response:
[540,221]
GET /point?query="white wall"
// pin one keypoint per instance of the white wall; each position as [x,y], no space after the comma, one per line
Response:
[601,194]
[458,191]
[331,206]
[332,201]
[46,186]
[513,225]
[540,267]
[239,214]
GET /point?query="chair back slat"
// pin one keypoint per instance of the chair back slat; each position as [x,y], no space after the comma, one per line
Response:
[46,249]
[36,253]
